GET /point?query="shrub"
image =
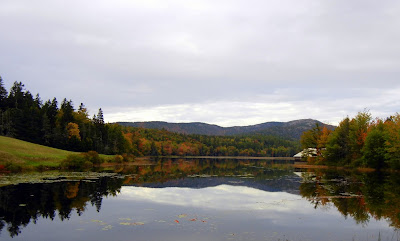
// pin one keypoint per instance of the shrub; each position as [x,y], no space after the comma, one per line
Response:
[118,159]
[82,161]
[13,167]
[93,157]
[73,161]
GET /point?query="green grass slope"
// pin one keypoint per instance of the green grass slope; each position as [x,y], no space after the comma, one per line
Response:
[29,154]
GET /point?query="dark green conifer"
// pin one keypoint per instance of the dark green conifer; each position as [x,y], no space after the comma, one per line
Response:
[3,95]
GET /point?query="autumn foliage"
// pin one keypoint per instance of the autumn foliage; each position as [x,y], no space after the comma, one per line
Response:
[152,142]
[360,141]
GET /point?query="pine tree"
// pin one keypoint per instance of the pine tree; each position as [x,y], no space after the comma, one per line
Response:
[16,95]
[38,101]
[100,137]
[46,130]
[3,95]
[52,112]
[100,117]
[65,115]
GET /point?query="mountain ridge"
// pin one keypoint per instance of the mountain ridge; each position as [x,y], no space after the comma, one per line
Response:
[291,129]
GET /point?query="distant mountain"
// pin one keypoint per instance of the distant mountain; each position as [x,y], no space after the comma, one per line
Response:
[291,129]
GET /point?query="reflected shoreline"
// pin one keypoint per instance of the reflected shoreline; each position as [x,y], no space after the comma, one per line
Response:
[359,195]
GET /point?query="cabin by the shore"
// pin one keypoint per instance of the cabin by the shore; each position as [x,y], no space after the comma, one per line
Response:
[309,152]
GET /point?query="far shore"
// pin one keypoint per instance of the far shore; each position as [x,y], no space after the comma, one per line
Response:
[221,157]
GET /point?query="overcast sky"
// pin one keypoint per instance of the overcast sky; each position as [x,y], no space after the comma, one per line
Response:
[225,62]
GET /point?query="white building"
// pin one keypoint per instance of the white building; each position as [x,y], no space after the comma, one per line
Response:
[309,152]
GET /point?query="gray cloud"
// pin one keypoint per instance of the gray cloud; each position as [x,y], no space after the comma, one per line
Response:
[259,60]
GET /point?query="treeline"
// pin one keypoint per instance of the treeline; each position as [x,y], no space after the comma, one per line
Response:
[361,141]
[152,142]
[25,117]
[28,118]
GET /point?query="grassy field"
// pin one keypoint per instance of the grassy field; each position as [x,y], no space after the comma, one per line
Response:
[32,155]
[29,154]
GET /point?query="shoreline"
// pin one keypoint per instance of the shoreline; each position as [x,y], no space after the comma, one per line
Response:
[219,157]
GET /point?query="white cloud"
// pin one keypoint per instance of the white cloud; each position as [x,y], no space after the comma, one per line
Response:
[233,62]
[284,105]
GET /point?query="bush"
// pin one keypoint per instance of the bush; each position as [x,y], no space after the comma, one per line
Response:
[82,161]
[74,161]
[118,159]
[13,167]
[93,157]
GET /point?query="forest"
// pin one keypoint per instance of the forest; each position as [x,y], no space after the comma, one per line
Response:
[359,142]
[27,117]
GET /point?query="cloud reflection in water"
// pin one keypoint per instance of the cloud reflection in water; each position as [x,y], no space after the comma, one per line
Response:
[222,197]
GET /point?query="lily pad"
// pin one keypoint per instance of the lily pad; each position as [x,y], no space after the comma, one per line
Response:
[132,224]
[108,227]
[96,221]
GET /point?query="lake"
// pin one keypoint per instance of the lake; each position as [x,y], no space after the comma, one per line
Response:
[201,199]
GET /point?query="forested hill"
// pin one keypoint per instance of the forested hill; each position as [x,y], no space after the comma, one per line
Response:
[28,118]
[291,129]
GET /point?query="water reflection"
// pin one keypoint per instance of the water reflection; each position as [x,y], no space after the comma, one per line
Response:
[24,203]
[361,196]
[266,194]
[221,197]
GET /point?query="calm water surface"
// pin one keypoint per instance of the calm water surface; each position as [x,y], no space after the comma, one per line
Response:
[201,200]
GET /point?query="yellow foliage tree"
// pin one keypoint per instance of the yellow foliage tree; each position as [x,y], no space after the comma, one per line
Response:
[73,130]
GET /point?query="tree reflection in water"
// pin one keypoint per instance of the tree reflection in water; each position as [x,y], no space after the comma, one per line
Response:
[361,196]
[20,204]
[23,203]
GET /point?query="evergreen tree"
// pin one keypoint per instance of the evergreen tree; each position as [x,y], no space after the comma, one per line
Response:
[66,113]
[3,106]
[16,95]
[100,118]
[33,117]
[21,113]
[3,96]
[100,136]
[38,102]
[46,130]
[52,112]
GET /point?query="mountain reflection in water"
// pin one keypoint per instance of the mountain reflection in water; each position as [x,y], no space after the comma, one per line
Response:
[249,191]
